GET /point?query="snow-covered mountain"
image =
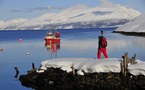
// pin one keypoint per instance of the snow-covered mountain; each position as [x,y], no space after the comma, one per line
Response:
[136,25]
[12,24]
[80,16]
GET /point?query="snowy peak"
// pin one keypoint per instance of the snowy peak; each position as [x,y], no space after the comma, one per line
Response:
[116,11]
[79,16]
[69,14]
[81,13]
[129,12]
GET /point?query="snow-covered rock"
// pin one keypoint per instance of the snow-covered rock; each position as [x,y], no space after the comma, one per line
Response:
[88,65]
[135,25]
[92,65]
[137,69]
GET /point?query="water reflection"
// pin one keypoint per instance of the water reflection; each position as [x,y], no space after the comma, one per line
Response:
[129,43]
[116,46]
[17,72]
[53,47]
[140,41]
[79,45]
[86,45]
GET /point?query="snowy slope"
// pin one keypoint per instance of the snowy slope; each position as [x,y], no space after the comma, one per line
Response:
[79,16]
[136,25]
[12,24]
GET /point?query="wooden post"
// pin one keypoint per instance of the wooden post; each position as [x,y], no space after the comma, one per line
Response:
[73,70]
[127,60]
[133,59]
[124,64]
[33,66]
[17,71]
[83,72]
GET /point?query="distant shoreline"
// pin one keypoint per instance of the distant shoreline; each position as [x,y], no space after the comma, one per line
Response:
[130,33]
[99,28]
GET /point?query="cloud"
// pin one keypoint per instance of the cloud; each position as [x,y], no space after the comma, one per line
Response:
[104,1]
[50,8]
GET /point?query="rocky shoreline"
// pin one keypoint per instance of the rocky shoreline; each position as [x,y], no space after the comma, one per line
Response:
[130,33]
[57,79]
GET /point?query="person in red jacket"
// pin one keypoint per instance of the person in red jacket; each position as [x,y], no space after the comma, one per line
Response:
[57,34]
[102,44]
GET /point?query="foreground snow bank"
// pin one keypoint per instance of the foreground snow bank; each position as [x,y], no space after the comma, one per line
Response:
[55,75]
[137,69]
[91,65]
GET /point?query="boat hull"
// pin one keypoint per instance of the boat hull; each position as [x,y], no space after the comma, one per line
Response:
[56,40]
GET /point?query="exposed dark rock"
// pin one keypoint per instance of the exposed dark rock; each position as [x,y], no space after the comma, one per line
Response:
[57,79]
[131,33]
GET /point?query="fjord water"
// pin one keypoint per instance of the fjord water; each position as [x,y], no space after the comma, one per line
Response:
[75,43]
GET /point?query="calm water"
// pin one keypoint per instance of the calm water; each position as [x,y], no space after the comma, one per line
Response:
[74,43]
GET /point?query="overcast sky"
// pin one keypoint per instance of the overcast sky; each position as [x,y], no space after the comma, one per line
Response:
[12,9]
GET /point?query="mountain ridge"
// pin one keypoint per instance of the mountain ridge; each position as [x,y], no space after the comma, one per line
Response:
[79,16]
